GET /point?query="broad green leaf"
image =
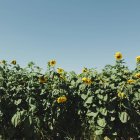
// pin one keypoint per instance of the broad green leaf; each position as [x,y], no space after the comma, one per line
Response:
[99,132]
[83,96]
[124,117]
[103,111]
[101,122]
[89,100]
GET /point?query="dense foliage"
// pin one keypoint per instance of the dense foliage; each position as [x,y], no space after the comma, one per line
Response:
[65,105]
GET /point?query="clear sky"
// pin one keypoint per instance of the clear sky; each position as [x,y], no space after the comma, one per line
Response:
[77,33]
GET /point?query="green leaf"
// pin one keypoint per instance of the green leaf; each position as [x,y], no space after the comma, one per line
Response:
[103,111]
[17,102]
[37,121]
[89,100]
[92,114]
[82,87]
[99,132]
[30,120]
[17,118]
[124,117]
[101,122]
[112,118]
[73,83]
[105,98]
[101,97]
[137,95]
[33,108]
[83,96]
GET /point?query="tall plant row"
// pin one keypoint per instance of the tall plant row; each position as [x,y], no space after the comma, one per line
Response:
[58,105]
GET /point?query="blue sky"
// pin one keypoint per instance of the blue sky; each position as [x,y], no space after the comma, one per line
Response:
[77,33]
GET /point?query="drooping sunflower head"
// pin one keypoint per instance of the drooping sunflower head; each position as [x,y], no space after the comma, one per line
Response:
[118,56]
[14,62]
[89,81]
[84,70]
[42,79]
[138,59]
[130,81]
[52,63]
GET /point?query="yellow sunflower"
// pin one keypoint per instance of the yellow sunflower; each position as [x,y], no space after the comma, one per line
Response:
[60,70]
[118,56]
[84,79]
[84,70]
[137,75]
[130,81]
[62,99]
[138,59]
[52,63]
[87,80]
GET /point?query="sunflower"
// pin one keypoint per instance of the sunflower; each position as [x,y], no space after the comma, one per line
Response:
[14,62]
[138,59]
[87,80]
[61,99]
[118,56]
[52,63]
[84,70]
[130,81]
[84,79]
[60,70]
[137,75]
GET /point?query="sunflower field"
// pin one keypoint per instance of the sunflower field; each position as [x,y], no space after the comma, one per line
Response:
[60,105]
